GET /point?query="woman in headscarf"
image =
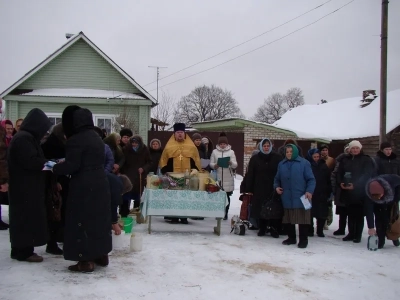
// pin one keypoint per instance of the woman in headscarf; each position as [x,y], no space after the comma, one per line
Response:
[294,180]
[320,204]
[260,183]
[88,216]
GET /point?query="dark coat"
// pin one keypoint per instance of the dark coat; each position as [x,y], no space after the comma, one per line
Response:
[362,168]
[387,164]
[109,159]
[322,190]
[88,216]
[28,221]
[202,151]
[116,188]
[155,159]
[295,177]
[135,160]
[260,179]
[336,189]
[3,157]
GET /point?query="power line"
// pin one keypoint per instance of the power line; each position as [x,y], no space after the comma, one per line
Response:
[251,51]
[238,45]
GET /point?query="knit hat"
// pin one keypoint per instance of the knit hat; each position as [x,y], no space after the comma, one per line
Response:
[155,140]
[196,136]
[355,143]
[179,127]
[385,145]
[125,132]
[375,188]
[205,140]
[222,138]
[346,147]
[295,153]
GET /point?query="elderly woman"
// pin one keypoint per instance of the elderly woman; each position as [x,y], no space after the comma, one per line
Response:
[353,173]
[113,141]
[294,180]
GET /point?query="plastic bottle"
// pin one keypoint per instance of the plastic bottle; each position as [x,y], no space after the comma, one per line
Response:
[187,179]
[136,242]
[194,183]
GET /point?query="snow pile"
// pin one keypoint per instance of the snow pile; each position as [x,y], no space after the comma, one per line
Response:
[341,119]
[83,93]
[190,262]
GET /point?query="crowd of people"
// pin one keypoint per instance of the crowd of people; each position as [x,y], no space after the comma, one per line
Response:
[70,183]
[361,187]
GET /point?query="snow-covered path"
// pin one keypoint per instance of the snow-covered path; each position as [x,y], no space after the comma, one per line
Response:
[190,262]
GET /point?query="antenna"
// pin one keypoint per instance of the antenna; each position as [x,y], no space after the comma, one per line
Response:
[158,75]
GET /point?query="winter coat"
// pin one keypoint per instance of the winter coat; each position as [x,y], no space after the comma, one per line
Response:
[330,163]
[88,216]
[115,149]
[387,164]
[210,148]
[116,188]
[135,160]
[296,178]
[3,157]
[155,159]
[28,221]
[362,168]
[336,189]
[226,175]
[202,151]
[109,159]
[260,179]
[322,189]
[391,187]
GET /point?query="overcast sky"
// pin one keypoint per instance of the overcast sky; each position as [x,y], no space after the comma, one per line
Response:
[338,57]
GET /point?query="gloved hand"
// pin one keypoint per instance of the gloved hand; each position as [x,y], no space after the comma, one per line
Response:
[50,164]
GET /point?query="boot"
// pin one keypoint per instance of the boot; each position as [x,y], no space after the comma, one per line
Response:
[359,226]
[396,243]
[304,230]
[274,233]
[352,229]
[34,258]
[52,248]
[184,221]
[310,232]
[4,226]
[291,230]
[262,226]
[102,261]
[320,227]
[342,225]
[83,267]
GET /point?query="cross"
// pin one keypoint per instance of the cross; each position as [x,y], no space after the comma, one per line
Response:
[180,157]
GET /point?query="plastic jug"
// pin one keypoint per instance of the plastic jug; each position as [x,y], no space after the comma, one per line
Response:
[136,242]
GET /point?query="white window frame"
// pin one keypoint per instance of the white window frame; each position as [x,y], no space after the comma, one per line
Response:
[104,116]
[54,115]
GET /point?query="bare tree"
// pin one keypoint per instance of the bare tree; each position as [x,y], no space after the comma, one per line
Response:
[206,103]
[277,104]
[272,109]
[164,111]
[294,97]
[125,118]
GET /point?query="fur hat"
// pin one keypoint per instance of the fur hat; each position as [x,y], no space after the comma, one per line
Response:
[155,140]
[126,183]
[126,132]
[355,143]
[385,145]
[196,136]
[179,127]
[222,138]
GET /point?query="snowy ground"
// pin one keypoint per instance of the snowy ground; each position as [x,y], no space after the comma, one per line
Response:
[190,262]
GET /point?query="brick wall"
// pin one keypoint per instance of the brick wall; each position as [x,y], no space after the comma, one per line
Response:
[254,132]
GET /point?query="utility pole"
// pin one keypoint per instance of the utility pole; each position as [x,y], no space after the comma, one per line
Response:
[383,84]
[158,75]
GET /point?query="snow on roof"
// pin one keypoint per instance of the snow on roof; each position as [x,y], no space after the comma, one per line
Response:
[83,93]
[341,119]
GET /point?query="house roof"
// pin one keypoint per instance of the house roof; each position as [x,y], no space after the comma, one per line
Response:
[222,124]
[341,119]
[71,41]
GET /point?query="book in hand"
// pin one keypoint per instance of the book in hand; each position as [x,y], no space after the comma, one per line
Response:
[48,166]
[223,162]
[306,203]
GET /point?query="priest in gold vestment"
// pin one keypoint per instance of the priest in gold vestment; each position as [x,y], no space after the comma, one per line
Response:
[180,153]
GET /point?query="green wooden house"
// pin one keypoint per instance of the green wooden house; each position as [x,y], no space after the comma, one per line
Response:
[80,73]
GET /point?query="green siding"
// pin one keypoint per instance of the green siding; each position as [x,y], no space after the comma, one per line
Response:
[144,122]
[79,66]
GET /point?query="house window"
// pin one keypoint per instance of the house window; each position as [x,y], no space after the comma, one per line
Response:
[54,118]
[104,122]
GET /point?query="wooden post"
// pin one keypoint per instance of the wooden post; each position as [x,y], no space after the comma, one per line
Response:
[383,87]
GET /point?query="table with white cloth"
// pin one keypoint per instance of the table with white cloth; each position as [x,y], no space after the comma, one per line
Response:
[184,204]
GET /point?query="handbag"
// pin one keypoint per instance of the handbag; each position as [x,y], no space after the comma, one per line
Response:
[244,209]
[272,208]
[393,231]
